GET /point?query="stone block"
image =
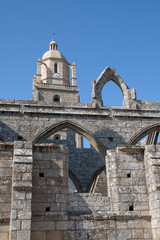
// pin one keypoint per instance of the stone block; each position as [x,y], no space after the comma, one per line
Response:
[24,235]
[27,176]
[4,236]
[29,195]
[22,185]
[139,224]
[38,235]
[19,195]
[124,234]
[23,159]
[14,214]
[65,225]
[122,224]
[24,214]
[15,225]
[20,167]
[43,225]
[147,234]
[4,227]
[23,152]
[56,235]
[137,233]
[26,224]
[13,235]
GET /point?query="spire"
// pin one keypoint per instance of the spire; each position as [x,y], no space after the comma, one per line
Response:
[53,45]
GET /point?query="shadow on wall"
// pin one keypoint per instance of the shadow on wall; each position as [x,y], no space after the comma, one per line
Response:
[86,163]
[7,134]
[83,164]
[110,138]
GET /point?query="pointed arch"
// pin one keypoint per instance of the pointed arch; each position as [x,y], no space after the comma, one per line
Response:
[74,180]
[94,178]
[107,75]
[76,128]
[154,128]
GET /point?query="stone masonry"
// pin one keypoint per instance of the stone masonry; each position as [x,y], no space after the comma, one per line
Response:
[52,186]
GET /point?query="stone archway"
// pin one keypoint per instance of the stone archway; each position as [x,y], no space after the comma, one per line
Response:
[84,183]
[94,180]
[76,128]
[151,131]
[107,75]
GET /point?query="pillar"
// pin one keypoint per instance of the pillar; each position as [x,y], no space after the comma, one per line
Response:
[20,219]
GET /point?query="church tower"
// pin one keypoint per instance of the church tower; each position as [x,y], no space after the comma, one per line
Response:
[52,82]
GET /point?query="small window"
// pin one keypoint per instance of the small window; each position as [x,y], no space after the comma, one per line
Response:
[128,175]
[19,138]
[47,209]
[55,68]
[41,174]
[56,98]
[110,139]
[57,137]
[131,208]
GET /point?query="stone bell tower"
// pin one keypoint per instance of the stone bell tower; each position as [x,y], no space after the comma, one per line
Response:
[52,82]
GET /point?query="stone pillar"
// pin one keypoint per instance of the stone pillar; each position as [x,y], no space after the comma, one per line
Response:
[152,166]
[129,97]
[79,140]
[38,70]
[35,95]
[50,192]
[74,77]
[126,180]
[20,220]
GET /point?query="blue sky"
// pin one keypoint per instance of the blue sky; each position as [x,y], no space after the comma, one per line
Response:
[122,34]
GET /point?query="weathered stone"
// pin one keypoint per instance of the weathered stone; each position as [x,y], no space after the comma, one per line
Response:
[52,187]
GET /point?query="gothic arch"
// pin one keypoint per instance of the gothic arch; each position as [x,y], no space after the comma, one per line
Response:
[76,128]
[107,75]
[152,129]
[91,186]
[74,180]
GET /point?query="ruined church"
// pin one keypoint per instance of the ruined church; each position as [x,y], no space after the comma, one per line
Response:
[54,188]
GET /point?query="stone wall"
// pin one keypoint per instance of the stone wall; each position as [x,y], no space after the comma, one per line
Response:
[21,193]
[50,190]
[126,180]
[152,165]
[6,162]
[108,127]
[41,207]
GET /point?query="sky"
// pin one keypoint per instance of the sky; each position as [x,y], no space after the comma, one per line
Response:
[121,34]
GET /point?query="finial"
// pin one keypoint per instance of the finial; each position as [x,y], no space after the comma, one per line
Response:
[53,36]
[53,45]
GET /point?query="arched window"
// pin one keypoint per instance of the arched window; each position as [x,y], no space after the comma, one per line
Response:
[112,94]
[56,98]
[55,68]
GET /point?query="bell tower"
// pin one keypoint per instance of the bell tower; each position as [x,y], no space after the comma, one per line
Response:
[52,82]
